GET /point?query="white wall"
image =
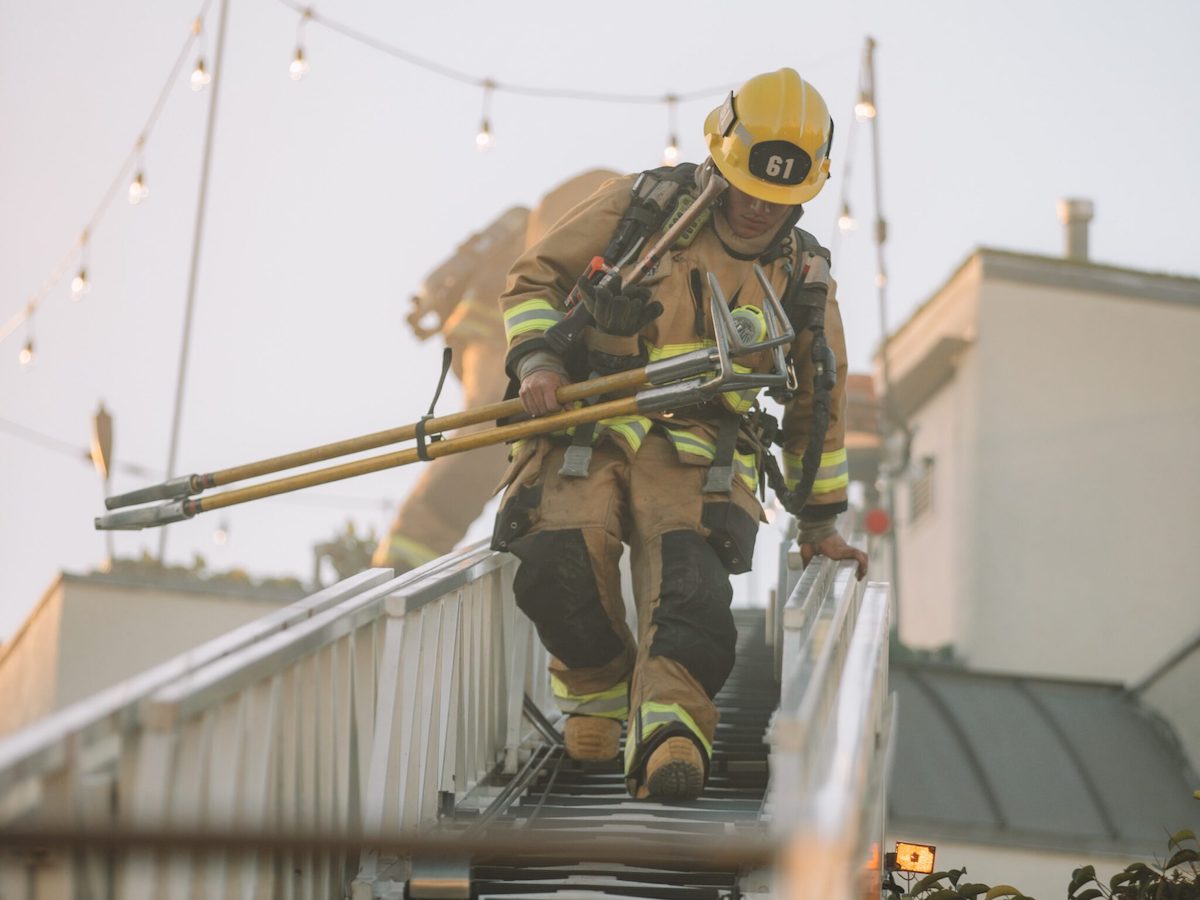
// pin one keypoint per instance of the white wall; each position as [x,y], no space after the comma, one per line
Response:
[934,550]
[1088,488]
[29,664]
[110,633]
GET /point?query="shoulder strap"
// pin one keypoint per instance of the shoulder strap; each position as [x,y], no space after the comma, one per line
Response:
[809,244]
[654,197]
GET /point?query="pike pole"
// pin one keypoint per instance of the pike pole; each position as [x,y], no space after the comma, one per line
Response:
[667,384]
[577,319]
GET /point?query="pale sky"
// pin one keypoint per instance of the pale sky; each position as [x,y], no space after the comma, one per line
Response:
[331,198]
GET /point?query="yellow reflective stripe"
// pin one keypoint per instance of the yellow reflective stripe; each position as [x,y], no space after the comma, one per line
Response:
[528,306]
[829,485]
[793,468]
[610,704]
[633,428]
[666,351]
[833,475]
[653,717]
[740,401]
[531,315]
[743,465]
[833,458]
[686,442]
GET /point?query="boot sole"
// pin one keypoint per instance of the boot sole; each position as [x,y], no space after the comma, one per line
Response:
[593,748]
[675,781]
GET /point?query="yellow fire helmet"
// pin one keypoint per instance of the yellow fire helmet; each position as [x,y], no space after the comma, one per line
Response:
[771,138]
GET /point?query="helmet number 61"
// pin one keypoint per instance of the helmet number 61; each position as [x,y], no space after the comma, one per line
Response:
[777,165]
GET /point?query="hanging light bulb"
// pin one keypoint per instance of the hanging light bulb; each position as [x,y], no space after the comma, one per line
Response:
[484,140]
[80,284]
[865,107]
[25,357]
[299,67]
[671,151]
[200,75]
[137,189]
[846,222]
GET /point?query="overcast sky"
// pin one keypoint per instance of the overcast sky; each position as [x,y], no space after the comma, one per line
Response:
[331,197]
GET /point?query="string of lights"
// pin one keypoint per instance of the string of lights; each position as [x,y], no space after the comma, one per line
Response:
[137,191]
[132,170]
[485,138]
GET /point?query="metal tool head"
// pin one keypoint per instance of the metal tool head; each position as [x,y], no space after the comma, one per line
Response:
[143,517]
[175,489]
[730,344]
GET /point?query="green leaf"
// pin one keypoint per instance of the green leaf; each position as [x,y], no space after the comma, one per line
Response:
[1002,890]
[1080,877]
[1180,836]
[955,874]
[1089,894]
[1183,856]
[973,890]
[945,894]
[929,881]
[1120,878]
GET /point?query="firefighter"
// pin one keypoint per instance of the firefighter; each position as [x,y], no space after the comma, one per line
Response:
[678,488]
[458,300]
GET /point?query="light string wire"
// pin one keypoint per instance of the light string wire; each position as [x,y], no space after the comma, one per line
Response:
[119,180]
[429,65]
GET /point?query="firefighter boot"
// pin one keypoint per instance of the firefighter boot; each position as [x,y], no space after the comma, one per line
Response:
[592,738]
[675,770]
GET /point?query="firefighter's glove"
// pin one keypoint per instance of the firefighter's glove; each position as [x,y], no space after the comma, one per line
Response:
[617,310]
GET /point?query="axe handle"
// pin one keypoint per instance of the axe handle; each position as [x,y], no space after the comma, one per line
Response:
[565,334]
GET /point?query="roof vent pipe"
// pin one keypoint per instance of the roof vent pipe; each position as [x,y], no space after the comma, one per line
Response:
[1075,214]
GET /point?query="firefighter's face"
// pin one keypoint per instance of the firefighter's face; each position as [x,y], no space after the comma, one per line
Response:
[750,217]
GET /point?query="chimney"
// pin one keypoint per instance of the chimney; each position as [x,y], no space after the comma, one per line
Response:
[1075,214]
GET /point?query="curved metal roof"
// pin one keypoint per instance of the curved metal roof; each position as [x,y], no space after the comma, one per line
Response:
[1035,762]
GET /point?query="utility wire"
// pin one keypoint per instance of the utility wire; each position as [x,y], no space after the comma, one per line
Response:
[66,448]
[64,266]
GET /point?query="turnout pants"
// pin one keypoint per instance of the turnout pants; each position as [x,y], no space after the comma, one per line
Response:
[569,534]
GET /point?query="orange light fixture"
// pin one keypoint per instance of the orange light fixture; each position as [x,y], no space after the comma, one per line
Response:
[916,858]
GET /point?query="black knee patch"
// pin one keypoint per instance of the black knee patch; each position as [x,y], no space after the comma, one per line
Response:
[516,516]
[555,586]
[694,624]
[732,532]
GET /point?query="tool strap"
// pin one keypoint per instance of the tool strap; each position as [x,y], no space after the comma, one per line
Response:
[422,451]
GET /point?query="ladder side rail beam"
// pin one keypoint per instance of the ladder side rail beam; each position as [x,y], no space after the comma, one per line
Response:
[829,768]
